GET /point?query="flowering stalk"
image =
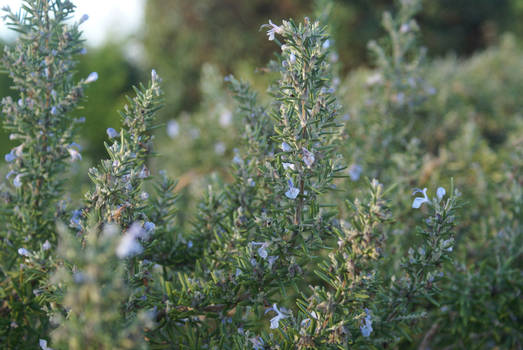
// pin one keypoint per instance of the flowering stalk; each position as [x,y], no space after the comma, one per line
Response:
[41,65]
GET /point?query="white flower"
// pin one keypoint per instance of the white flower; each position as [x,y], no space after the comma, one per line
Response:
[46,245]
[173,128]
[18,180]
[144,196]
[24,252]
[280,314]
[285,147]
[292,57]
[366,329]
[112,133]
[440,193]
[308,157]
[293,192]
[274,29]
[91,78]
[288,166]
[326,44]
[404,28]
[43,344]
[418,201]
[355,172]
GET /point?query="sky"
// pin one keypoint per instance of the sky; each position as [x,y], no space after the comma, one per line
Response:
[117,18]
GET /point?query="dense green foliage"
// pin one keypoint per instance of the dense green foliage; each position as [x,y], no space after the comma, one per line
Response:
[381,209]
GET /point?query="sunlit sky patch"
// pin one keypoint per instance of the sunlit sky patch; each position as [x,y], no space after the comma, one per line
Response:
[107,18]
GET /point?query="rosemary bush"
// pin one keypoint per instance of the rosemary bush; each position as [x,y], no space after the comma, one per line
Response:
[309,239]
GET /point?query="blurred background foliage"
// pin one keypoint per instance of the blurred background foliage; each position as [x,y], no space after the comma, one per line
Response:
[180,37]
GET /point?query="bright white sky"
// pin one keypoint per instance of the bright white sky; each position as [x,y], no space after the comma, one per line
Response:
[106,17]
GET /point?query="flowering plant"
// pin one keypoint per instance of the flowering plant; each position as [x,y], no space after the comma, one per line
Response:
[295,250]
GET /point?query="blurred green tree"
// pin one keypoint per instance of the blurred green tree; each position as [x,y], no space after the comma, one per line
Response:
[181,35]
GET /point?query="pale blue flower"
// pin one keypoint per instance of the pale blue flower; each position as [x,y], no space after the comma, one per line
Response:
[285,147]
[440,193]
[292,192]
[173,128]
[219,148]
[225,118]
[280,315]
[271,260]
[154,75]
[274,29]
[366,329]
[9,157]
[54,110]
[17,182]
[326,44]
[292,57]
[262,251]
[257,343]
[75,155]
[355,171]
[24,252]
[84,18]
[91,78]
[190,244]
[418,201]
[308,157]
[287,166]
[112,133]
[144,173]
[43,344]
[46,245]
[149,226]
